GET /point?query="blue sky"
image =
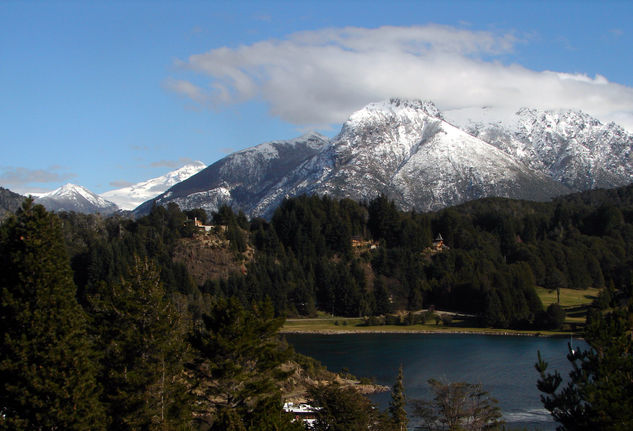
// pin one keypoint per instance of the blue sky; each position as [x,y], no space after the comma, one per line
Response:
[105,94]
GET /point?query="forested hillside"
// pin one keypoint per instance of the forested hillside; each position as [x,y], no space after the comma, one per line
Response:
[363,259]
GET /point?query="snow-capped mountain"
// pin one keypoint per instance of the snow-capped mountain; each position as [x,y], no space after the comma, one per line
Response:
[569,146]
[407,151]
[244,178]
[128,198]
[404,149]
[71,197]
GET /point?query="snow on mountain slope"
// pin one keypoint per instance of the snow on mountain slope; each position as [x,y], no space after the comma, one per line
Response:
[406,150]
[128,198]
[569,146]
[71,197]
[241,178]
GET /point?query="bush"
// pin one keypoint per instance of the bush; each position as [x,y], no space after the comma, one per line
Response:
[555,316]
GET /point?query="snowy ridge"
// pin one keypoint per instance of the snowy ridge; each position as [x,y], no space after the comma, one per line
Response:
[407,151]
[243,177]
[128,198]
[569,146]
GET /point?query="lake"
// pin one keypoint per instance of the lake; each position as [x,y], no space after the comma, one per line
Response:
[504,365]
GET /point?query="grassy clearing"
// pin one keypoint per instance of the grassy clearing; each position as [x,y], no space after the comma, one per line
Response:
[575,303]
[569,298]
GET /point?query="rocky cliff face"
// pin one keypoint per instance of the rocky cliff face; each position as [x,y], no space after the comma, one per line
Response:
[406,150]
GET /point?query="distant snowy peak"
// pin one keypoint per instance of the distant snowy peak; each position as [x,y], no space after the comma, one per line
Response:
[130,197]
[71,197]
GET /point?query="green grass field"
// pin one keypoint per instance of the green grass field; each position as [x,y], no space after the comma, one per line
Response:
[569,298]
[573,301]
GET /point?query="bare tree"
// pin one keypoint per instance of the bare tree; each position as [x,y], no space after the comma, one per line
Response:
[458,406]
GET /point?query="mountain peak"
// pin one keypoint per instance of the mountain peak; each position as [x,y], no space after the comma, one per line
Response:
[394,110]
[72,197]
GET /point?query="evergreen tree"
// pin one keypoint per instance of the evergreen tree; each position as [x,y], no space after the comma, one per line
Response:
[396,406]
[237,364]
[599,392]
[142,339]
[344,409]
[47,371]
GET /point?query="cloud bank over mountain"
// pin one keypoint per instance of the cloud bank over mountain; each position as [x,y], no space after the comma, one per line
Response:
[315,78]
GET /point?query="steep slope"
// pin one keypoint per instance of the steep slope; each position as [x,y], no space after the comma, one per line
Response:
[9,202]
[71,197]
[128,198]
[570,146]
[242,178]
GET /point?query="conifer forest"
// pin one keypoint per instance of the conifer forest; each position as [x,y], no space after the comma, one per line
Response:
[170,321]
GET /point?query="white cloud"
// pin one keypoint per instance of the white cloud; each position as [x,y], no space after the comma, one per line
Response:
[317,78]
[21,180]
[172,164]
[186,88]
[119,184]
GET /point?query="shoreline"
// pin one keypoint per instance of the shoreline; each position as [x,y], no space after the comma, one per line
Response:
[420,331]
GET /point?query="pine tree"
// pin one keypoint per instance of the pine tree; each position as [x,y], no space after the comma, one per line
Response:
[396,406]
[237,363]
[345,409]
[599,392]
[142,339]
[47,370]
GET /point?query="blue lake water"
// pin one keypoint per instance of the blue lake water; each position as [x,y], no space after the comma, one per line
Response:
[504,365]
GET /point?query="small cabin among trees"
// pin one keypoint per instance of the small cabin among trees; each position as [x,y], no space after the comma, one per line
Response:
[438,243]
[358,242]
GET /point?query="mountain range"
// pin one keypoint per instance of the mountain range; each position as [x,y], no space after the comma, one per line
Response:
[404,149]
[408,151]
[72,197]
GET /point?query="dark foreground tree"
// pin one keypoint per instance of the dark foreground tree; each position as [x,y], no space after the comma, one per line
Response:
[458,406]
[344,409]
[47,372]
[398,402]
[599,393]
[238,362]
[142,339]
